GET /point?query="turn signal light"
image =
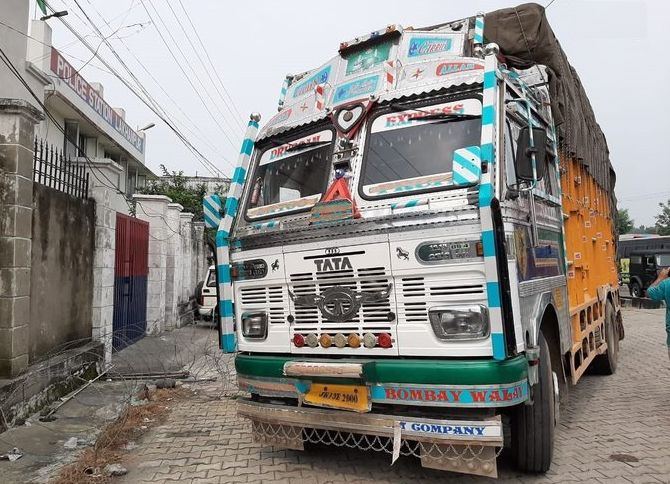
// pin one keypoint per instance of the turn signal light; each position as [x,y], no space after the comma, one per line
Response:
[384,340]
[369,340]
[353,340]
[299,340]
[325,340]
[340,340]
[479,247]
[312,340]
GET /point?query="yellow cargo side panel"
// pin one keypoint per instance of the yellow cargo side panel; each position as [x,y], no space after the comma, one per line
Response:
[591,253]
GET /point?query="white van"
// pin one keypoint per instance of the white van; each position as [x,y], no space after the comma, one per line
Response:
[206,295]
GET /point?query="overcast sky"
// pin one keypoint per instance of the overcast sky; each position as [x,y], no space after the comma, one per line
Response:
[617,47]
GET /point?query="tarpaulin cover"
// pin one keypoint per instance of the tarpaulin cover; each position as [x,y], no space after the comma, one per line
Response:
[526,39]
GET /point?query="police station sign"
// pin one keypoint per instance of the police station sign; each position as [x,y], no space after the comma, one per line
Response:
[71,77]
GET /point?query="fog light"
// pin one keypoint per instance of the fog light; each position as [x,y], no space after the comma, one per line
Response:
[299,340]
[463,322]
[255,325]
[325,340]
[311,340]
[340,340]
[384,340]
[369,340]
[354,341]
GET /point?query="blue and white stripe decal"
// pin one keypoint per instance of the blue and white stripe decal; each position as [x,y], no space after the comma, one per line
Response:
[415,202]
[226,313]
[282,94]
[486,194]
[467,166]
[211,207]
[479,30]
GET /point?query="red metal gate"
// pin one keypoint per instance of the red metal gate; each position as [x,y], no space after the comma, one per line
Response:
[130,280]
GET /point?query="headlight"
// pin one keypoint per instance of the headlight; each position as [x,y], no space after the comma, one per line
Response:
[462,322]
[255,325]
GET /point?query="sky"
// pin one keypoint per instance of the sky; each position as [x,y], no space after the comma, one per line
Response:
[618,48]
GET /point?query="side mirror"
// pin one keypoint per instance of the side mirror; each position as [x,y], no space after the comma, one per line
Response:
[467,166]
[523,163]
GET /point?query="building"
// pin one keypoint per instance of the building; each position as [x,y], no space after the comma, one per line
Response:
[95,132]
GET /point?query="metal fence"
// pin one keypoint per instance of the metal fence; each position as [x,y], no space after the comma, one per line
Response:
[53,169]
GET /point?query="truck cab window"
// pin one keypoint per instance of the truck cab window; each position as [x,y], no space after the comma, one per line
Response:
[412,150]
[291,176]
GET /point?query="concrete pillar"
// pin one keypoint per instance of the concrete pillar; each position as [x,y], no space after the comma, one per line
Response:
[108,202]
[171,266]
[154,209]
[199,256]
[187,285]
[17,128]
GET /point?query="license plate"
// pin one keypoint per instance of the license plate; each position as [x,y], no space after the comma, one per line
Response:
[346,397]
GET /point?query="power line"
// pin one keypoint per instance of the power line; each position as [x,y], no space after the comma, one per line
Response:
[549,4]
[181,68]
[146,99]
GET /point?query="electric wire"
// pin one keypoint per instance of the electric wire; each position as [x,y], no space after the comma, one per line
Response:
[146,98]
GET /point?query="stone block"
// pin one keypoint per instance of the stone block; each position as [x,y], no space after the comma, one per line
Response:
[15,282]
[14,311]
[14,341]
[17,221]
[16,160]
[18,190]
[13,367]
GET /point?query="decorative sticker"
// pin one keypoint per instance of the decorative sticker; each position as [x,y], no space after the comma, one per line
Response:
[409,184]
[410,117]
[358,88]
[368,58]
[446,68]
[312,141]
[280,117]
[281,207]
[308,85]
[420,46]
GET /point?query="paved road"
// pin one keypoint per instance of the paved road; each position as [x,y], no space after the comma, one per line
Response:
[615,429]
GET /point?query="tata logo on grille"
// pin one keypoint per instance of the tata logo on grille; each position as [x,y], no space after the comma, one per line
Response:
[333,264]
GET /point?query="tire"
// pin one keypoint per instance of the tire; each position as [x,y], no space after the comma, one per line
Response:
[636,289]
[533,425]
[606,363]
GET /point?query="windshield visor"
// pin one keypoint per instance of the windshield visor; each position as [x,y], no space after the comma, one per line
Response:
[291,177]
[412,150]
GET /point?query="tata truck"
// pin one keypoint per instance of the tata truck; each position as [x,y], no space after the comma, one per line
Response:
[423,257]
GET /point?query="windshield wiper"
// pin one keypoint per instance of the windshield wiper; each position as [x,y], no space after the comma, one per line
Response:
[306,145]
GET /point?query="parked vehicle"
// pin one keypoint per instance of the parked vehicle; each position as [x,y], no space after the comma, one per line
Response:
[643,269]
[424,256]
[206,294]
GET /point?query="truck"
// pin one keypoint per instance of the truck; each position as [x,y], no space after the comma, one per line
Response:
[417,253]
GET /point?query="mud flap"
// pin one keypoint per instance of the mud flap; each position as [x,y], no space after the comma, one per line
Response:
[479,460]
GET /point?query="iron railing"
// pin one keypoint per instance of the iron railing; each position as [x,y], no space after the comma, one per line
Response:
[53,169]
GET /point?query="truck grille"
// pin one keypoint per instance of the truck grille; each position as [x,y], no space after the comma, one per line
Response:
[415,294]
[270,298]
[372,317]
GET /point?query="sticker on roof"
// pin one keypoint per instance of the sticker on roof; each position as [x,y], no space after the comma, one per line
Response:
[356,89]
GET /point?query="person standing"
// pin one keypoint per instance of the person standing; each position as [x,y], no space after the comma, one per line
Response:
[660,291]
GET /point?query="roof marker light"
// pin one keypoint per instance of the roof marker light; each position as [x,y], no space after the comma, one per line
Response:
[369,340]
[354,341]
[384,340]
[340,340]
[325,340]
[312,340]
[298,340]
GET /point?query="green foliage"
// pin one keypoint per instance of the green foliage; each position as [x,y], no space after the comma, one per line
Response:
[174,185]
[663,219]
[624,223]
[644,230]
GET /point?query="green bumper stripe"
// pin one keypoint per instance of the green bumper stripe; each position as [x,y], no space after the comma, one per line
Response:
[435,372]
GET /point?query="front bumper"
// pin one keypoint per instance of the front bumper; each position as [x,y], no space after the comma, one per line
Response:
[468,446]
[415,382]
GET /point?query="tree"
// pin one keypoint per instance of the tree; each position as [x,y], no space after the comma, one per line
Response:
[624,223]
[663,219]
[174,185]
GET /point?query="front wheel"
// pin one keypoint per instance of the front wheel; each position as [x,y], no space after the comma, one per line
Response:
[635,289]
[533,425]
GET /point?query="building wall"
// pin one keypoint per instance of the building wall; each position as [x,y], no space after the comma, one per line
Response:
[62,270]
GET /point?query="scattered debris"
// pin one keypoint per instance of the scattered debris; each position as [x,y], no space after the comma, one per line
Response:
[71,443]
[12,455]
[112,470]
[129,445]
[624,458]
[166,383]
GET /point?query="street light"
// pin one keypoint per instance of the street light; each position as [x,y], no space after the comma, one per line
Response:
[147,127]
[62,13]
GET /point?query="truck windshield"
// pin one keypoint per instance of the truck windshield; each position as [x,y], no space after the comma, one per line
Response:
[412,150]
[291,176]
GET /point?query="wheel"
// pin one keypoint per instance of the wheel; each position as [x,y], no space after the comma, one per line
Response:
[533,425]
[635,289]
[606,363]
